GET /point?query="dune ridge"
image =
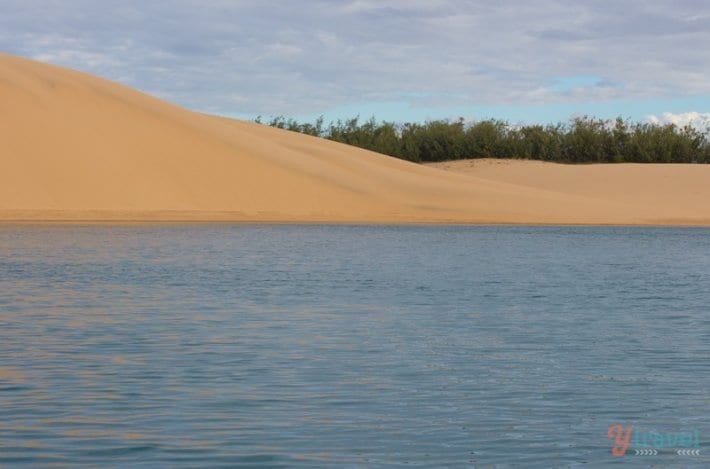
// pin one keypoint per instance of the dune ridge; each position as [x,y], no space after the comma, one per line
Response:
[80,148]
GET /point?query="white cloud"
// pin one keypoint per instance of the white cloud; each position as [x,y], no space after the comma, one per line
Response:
[698,120]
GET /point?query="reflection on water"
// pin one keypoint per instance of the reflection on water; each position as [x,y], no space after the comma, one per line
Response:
[345,345]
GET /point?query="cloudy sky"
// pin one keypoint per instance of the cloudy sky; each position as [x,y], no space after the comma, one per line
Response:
[403,60]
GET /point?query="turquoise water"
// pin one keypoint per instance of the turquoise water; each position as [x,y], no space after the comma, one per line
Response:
[282,346]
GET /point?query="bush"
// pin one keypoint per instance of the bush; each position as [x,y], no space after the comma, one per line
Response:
[582,140]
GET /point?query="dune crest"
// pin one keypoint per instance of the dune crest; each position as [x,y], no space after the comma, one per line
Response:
[77,147]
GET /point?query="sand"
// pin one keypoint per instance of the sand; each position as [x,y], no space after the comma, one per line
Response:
[675,193]
[77,147]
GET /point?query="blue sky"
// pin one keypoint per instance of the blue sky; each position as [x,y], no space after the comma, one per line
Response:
[403,60]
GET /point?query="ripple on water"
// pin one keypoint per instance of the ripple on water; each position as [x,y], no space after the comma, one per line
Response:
[282,346]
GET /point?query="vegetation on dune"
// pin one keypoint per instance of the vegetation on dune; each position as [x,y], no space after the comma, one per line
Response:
[581,140]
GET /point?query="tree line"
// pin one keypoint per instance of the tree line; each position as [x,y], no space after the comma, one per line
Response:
[581,140]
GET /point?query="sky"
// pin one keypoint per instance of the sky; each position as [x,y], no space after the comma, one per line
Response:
[525,61]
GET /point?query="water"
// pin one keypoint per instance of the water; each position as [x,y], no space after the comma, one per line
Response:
[282,346]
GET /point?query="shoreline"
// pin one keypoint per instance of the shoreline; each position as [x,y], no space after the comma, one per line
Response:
[273,222]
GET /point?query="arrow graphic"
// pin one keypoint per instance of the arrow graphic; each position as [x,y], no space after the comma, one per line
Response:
[688,452]
[646,452]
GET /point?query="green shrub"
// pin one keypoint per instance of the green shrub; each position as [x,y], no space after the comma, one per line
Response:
[582,140]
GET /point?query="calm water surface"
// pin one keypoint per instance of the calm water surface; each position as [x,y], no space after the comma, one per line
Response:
[282,346]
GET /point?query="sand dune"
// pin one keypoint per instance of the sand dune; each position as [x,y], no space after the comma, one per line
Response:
[675,193]
[77,147]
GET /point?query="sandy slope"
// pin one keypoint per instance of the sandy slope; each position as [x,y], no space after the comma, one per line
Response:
[76,147]
[676,193]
